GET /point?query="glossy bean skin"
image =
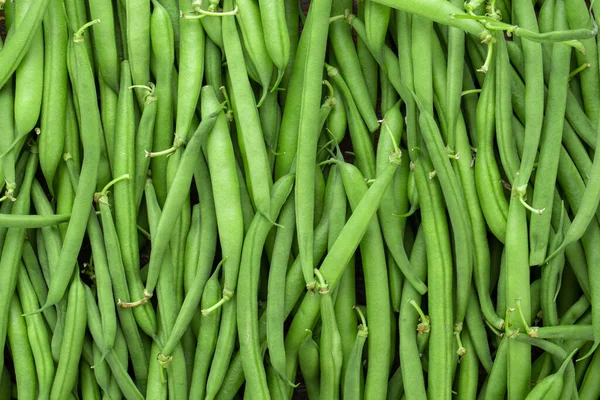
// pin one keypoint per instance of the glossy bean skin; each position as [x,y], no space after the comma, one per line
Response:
[54,99]
[223,349]
[105,44]
[277,38]
[70,351]
[143,142]
[352,381]
[330,350]
[7,164]
[21,351]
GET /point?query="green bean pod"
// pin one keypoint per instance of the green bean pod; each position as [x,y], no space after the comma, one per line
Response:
[12,250]
[54,99]
[223,349]
[70,351]
[352,381]
[308,356]
[21,351]
[138,42]
[143,143]
[105,44]
[246,116]
[277,39]
[207,338]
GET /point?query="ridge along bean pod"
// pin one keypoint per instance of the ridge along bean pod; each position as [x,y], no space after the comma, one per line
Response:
[336,260]
[551,278]
[70,350]
[393,232]
[249,21]
[18,43]
[192,248]
[32,221]
[308,357]
[477,332]
[410,357]
[207,337]
[12,251]
[277,39]
[164,54]
[118,280]
[247,119]
[376,285]
[226,191]
[275,312]
[138,32]
[439,277]
[167,300]
[352,381]
[250,351]
[54,99]
[456,207]
[29,76]
[340,36]
[174,200]
[124,200]
[190,68]
[496,382]
[551,387]
[89,128]
[89,387]
[105,43]
[37,334]
[21,352]
[143,141]
[7,127]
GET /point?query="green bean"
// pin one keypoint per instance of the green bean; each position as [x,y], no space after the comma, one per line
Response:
[89,386]
[308,356]
[247,305]
[223,349]
[89,127]
[270,119]
[330,351]
[469,370]
[392,231]
[226,191]
[244,107]
[412,373]
[37,335]
[38,282]
[174,200]
[161,31]
[377,17]
[138,42]
[589,388]
[18,44]
[275,293]
[156,388]
[496,386]
[21,351]
[477,333]
[7,164]
[336,260]
[32,221]
[367,62]
[54,100]
[207,337]
[70,351]
[340,37]
[351,388]
[272,15]
[548,159]
[143,142]
[12,250]
[105,44]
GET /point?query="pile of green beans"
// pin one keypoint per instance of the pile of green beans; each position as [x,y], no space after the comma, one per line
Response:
[283,199]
